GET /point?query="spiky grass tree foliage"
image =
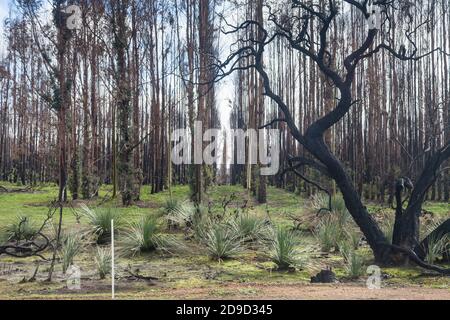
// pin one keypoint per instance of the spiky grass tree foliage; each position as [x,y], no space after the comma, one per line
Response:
[387,226]
[222,241]
[437,248]
[202,222]
[329,232]
[283,248]
[3,236]
[178,214]
[144,236]
[334,225]
[353,262]
[250,228]
[103,261]
[71,246]
[22,228]
[100,221]
[353,236]
[339,208]
[170,205]
[321,201]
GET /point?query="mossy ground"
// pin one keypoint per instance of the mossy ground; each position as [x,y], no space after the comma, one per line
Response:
[188,273]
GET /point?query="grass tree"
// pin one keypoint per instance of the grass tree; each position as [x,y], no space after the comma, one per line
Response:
[283,248]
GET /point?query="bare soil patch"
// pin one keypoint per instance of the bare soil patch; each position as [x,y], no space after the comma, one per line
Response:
[314,292]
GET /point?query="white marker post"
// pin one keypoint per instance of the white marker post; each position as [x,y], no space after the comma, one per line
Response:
[112,259]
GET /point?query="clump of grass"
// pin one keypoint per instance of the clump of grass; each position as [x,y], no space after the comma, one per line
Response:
[144,236]
[429,226]
[100,221]
[250,228]
[387,226]
[333,227]
[282,249]
[170,205]
[201,222]
[354,262]
[436,248]
[221,241]
[178,213]
[3,236]
[345,247]
[22,228]
[339,208]
[354,237]
[71,247]
[321,201]
[354,265]
[329,233]
[103,261]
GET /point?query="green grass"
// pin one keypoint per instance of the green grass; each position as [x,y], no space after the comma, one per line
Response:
[190,268]
[103,261]
[283,249]
[35,204]
[222,242]
[438,208]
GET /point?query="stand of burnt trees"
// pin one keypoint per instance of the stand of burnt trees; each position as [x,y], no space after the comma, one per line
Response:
[310,31]
[131,75]
[136,70]
[403,106]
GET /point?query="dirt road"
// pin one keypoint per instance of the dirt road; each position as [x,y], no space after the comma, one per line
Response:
[312,292]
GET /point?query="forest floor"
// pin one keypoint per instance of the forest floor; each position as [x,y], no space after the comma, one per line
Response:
[191,274]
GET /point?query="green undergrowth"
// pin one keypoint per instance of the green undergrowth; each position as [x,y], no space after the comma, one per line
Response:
[191,267]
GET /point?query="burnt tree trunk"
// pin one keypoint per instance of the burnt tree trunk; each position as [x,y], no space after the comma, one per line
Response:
[406,231]
[120,8]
